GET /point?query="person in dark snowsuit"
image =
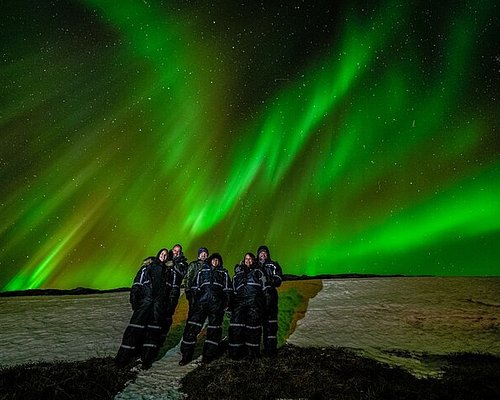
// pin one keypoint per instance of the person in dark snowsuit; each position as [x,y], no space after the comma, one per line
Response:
[274,277]
[210,299]
[194,267]
[176,270]
[144,334]
[247,304]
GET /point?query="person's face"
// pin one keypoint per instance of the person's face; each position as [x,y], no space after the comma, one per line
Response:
[163,256]
[263,256]
[203,256]
[248,260]
[176,251]
[215,262]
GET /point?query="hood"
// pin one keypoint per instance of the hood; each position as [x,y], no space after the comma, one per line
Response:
[215,255]
[261,248]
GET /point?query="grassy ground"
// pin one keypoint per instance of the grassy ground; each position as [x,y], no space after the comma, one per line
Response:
[296,373]
[335,373]
[96,378]
[294,297]
[293,300]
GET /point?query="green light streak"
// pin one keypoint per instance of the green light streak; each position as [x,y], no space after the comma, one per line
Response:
[379,149]
[53,254]
[291,120]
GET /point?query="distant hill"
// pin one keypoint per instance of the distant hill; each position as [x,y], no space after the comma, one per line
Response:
[290,277]
[59,292]
[81,290]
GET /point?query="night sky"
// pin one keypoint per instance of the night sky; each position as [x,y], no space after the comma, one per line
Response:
[350,137]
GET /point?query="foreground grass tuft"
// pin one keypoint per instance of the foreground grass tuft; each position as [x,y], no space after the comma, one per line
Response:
[334,373]
[96,378]
[296,373]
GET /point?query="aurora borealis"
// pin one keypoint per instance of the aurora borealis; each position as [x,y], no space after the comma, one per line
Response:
[353,137]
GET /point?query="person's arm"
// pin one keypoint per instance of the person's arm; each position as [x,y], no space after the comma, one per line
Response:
[136,291]
[277,275]
[189,280]
[181,265]
[228,289]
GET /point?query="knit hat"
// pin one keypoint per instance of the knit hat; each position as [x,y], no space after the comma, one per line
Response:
[201,250]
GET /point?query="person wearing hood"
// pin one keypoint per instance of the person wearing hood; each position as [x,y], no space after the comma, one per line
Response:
[144,334]
[247,303]
[177,266]
[193,268]
[210,291]
[274,277]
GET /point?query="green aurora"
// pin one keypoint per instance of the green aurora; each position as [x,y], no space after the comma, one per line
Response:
[351,138]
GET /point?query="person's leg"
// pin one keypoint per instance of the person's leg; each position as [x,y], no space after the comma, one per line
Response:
[271,325]
[152,344]
[191,331]
[133,337]
[253,331]
[237,332]
[214,332]
[169,313]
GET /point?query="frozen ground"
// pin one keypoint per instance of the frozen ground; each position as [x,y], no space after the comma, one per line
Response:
[161,381]
[396,320]
[48,328]
[391,319]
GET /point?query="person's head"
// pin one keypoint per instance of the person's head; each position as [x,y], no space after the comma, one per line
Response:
[202,253]
[177,250]
[249,259]
[162,255]
[216,260]
[263,253]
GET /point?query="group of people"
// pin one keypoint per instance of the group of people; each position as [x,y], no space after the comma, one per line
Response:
[250,297]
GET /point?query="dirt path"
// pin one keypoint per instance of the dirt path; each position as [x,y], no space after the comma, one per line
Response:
[161,381]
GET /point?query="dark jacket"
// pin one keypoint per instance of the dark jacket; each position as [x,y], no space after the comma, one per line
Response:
[248,283]
[212,284]
[273,273]
[177,269]
[272,270]
[149,287]
[193,269]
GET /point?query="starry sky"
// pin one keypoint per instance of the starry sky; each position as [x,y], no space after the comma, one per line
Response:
[350,137]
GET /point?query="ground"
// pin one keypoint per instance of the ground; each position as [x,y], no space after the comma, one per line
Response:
[296,373]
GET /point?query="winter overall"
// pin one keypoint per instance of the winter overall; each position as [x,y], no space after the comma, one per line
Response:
[273,274]
[143,335]
[175,274]
[247,304]
[210,298]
